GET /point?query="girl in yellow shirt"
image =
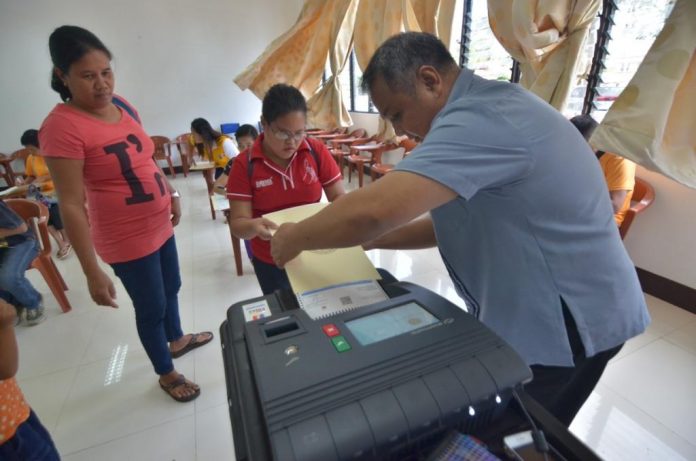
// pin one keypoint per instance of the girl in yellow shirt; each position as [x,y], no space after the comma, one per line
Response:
[216,147]
[36,172]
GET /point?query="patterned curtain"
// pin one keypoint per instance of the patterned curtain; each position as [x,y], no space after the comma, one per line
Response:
[546,37]
[326,107]
[435,16]
[377,20]
[653,121]
[297,57]
[329,29]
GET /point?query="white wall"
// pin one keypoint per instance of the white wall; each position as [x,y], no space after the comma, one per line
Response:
[662,239]
[174,60]
[364,120]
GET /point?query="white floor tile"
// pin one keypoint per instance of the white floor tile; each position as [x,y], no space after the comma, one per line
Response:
[619,431]
[173,441]
[636,343]
[58,343]
[214,434]
[665,317]
[684,337]
[210,374]
[116,398]
[660,380]
[115,330]
[46,394]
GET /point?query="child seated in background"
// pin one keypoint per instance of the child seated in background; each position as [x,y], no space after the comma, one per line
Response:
[18,248]
[619,173]
[245,136]
[36,173]
[22,436]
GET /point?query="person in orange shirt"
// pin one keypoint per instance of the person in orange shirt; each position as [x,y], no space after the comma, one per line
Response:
[36,172]
[22,436]
[619,173]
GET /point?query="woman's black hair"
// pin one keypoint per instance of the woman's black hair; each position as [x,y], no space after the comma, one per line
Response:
[30,138]
[585,125]
[281,99]
[203,128]
[246,130]
[68,44]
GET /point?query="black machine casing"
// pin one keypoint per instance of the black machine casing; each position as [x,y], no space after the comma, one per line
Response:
[294,397]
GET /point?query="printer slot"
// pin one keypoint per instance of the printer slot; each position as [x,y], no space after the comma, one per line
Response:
[281,328]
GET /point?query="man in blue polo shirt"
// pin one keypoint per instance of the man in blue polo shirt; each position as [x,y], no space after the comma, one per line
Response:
[18,248]
[517,206]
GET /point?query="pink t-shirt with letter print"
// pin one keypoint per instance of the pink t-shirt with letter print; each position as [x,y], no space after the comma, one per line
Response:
[128,202]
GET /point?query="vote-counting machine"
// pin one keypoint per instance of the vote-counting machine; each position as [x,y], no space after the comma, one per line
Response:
[380,382]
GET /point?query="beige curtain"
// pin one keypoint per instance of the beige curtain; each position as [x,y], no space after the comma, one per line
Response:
[326,29]
[326,106]
[297,57]
[546,37]
[377,20]
[653,121]
[435,16]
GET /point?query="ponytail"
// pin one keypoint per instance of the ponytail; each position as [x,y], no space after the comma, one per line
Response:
[58,86]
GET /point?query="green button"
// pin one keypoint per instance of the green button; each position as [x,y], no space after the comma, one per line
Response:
[340,343]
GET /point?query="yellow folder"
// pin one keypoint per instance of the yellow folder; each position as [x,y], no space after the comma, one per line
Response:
[315,269]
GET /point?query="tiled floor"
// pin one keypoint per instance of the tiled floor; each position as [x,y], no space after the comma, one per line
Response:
[87,376]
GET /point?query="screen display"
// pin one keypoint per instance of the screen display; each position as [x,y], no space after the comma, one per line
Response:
[389,323]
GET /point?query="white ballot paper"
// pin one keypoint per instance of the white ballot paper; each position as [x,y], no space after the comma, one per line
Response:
[332,300]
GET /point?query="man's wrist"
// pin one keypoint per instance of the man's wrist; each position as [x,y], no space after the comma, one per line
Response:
[294,239]
[175,194]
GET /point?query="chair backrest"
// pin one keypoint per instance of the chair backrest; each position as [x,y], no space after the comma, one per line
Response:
[643,196]
[229,128]
[6,158]
[35,214]
[19,156]
[377,154]
[184,143]
[361,141]
[160,150]
[408,144]
[358,133]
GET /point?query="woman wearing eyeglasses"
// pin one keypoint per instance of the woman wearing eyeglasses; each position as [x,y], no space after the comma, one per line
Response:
[283,169]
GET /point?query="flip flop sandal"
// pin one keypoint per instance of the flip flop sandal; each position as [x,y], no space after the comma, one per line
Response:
[180,381]
[193,344]
[65,252]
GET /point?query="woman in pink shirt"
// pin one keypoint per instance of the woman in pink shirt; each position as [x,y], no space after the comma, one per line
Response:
[98,152]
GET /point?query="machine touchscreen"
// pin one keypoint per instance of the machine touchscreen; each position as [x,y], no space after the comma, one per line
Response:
[390,323]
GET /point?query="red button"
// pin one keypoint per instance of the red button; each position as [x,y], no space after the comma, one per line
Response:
[330,330]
